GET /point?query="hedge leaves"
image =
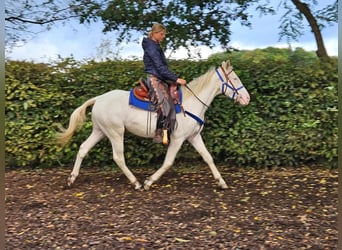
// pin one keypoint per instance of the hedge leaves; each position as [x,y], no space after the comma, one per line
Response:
[291,120]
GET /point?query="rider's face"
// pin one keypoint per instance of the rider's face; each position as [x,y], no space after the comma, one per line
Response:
[159,36]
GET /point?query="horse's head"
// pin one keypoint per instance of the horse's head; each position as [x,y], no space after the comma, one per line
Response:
[231,84]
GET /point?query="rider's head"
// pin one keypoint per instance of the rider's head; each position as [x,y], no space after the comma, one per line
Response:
[157,33]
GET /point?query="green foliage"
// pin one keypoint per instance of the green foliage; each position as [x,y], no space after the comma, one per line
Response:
[291,120]
[189,22]
[291,23]
[194,23]
[30,113]
[293,112]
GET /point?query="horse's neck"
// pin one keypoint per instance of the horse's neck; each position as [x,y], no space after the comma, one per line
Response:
[206,94]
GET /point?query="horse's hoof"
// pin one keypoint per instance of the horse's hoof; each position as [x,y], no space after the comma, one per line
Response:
[70,181]
[137,186]
[147,185]
[223,184]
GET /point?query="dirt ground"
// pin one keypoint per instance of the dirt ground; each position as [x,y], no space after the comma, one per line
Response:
[261,209]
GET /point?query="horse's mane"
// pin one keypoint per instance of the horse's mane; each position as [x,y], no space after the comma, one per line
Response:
[197,84]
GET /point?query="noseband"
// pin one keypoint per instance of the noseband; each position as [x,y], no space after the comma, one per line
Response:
[228,83]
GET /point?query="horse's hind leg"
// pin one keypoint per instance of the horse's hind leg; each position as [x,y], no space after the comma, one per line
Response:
[95,136]
[117,141]
[198,144]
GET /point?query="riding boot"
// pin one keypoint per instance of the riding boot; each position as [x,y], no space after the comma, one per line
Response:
[165,137]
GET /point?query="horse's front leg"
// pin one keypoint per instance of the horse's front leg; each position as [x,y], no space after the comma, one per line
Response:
[198,144]
[171,153]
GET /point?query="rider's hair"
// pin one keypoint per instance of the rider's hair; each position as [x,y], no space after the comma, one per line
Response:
[157,27]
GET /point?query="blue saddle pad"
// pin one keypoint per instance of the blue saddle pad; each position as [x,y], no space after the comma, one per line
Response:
[146,105]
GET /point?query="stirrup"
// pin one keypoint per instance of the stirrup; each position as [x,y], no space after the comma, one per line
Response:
[165,139]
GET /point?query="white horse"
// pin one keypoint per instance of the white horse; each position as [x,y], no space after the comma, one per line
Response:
[112,115]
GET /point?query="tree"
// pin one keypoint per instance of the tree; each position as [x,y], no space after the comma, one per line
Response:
[208,22]
[25,18]
[190,22]
[292,25]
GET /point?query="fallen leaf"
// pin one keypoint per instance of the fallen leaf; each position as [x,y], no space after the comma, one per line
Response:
[80,194]
[212,233]
[245,199]
[181,240]
[141,240]
[125,238]
[103,195]
[256,218]
[323,181]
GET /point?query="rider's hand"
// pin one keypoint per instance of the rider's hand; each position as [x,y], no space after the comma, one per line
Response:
[181,81]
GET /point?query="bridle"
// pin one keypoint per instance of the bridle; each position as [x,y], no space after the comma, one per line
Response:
[225,84]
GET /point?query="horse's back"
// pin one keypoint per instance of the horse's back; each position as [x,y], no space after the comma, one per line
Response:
[112,95]
[110,104]
[112,111]
[111,98]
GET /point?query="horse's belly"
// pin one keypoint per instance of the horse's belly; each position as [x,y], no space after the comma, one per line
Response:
[140,122]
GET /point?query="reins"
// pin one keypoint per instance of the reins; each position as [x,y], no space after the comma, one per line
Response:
[196,96]
[227,83]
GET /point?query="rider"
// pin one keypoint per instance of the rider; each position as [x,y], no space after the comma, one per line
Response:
[160,78]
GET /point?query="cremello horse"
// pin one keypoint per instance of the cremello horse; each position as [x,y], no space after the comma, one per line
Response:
[112,116]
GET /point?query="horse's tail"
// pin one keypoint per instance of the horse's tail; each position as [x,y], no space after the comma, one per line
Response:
[77,119]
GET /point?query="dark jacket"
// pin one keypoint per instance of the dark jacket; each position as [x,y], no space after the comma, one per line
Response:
[155,61]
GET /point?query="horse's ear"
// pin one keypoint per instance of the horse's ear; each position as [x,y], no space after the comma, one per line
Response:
[226,64]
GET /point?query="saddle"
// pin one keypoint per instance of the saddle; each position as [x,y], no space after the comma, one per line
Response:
[141,91]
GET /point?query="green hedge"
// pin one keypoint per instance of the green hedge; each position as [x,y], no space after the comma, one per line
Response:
[291,120]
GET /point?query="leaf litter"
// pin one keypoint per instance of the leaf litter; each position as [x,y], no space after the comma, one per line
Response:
[278,209]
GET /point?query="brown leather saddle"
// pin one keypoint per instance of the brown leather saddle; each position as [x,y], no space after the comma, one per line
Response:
[141,91]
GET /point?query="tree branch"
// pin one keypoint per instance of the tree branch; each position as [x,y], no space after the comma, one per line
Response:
[13,19]
[305,10]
